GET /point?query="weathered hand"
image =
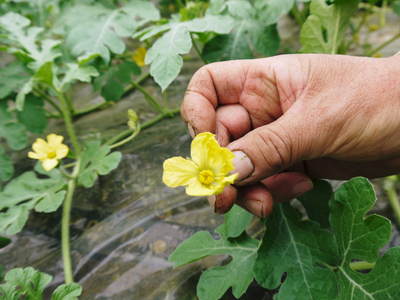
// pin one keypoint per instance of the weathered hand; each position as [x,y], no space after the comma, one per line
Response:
[335,116]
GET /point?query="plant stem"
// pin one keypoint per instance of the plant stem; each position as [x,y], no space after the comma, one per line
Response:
[297,15]
[383,45]
[149,123]
[197,49]
[47,99]
[92,108]
[68,122]
[361,265]
[65,222]
[389,185]
[149,98]
[126,140]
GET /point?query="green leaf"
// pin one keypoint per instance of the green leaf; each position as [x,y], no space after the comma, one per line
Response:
[164,56]
[24,91]
[69,291]
[114,82]
[235,222]
[317,262]
[6,166]
[33,115]
[12,77]
[27,192]
[3,243]
[272,10]
[107,27]
[24,40]
[396,7]
[316,202]
[97,160]
[13,132]
[252,36]
[78,72]
[295,247]
[324,29]
[238,273]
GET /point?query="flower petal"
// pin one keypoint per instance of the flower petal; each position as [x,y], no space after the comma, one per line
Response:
[40,146]
[61,151]
[179,171]
[49,164]
[54,140]
[196,188]
[35,155]
[221,160]
[200,148]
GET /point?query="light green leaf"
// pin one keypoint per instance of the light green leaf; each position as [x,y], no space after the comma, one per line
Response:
[214,282]
[97,160]
[27,192]
[107,27]
[33,115]
[316,202]
[24,40]
[12,77]
[69,291]
[13,132]
[235,222]
[78,72]
[272,10]
[25,90]
[6,166]
[324,29]
[164,56]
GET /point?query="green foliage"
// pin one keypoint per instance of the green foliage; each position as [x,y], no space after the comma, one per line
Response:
[107,27]
[396,7]
[214,282]
[164,57]
[4,242]
[97,160]
[324,29]
[29,284]
[235,222]
[12,77]
[253,34]
[33,115]
[27,192]
[114,82]
[11,130]
[6,166]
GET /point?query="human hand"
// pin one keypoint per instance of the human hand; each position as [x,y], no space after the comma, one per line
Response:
[322,115]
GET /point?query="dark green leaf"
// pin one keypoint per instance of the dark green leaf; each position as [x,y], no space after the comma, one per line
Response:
[97,160]
[4,242]
[214,282]
[33,115]
[316,202]
[396,7]
[6,166]
[114,82]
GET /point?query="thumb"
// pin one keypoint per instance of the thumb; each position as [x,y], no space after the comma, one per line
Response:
[270,149]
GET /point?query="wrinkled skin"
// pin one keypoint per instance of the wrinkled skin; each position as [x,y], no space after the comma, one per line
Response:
[313,116]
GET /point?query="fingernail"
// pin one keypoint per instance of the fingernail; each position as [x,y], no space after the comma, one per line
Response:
[211,201]
[243,165]
[191,130]
[302,187]
[257,208]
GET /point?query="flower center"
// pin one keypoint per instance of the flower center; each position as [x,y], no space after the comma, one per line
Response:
[206,177]
[51,154]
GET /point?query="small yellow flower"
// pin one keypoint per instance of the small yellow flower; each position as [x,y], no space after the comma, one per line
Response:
[206,173]
[139,55]
[49,152]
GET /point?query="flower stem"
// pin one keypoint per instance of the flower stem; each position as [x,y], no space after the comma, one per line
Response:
[48,99]
[149,123]
[65,222]
[126,140]
[149,98]
[389,185]
[383,45]
[67,114]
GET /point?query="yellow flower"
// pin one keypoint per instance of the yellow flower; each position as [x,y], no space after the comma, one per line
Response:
[139,55]
[49,152]
[206,173]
